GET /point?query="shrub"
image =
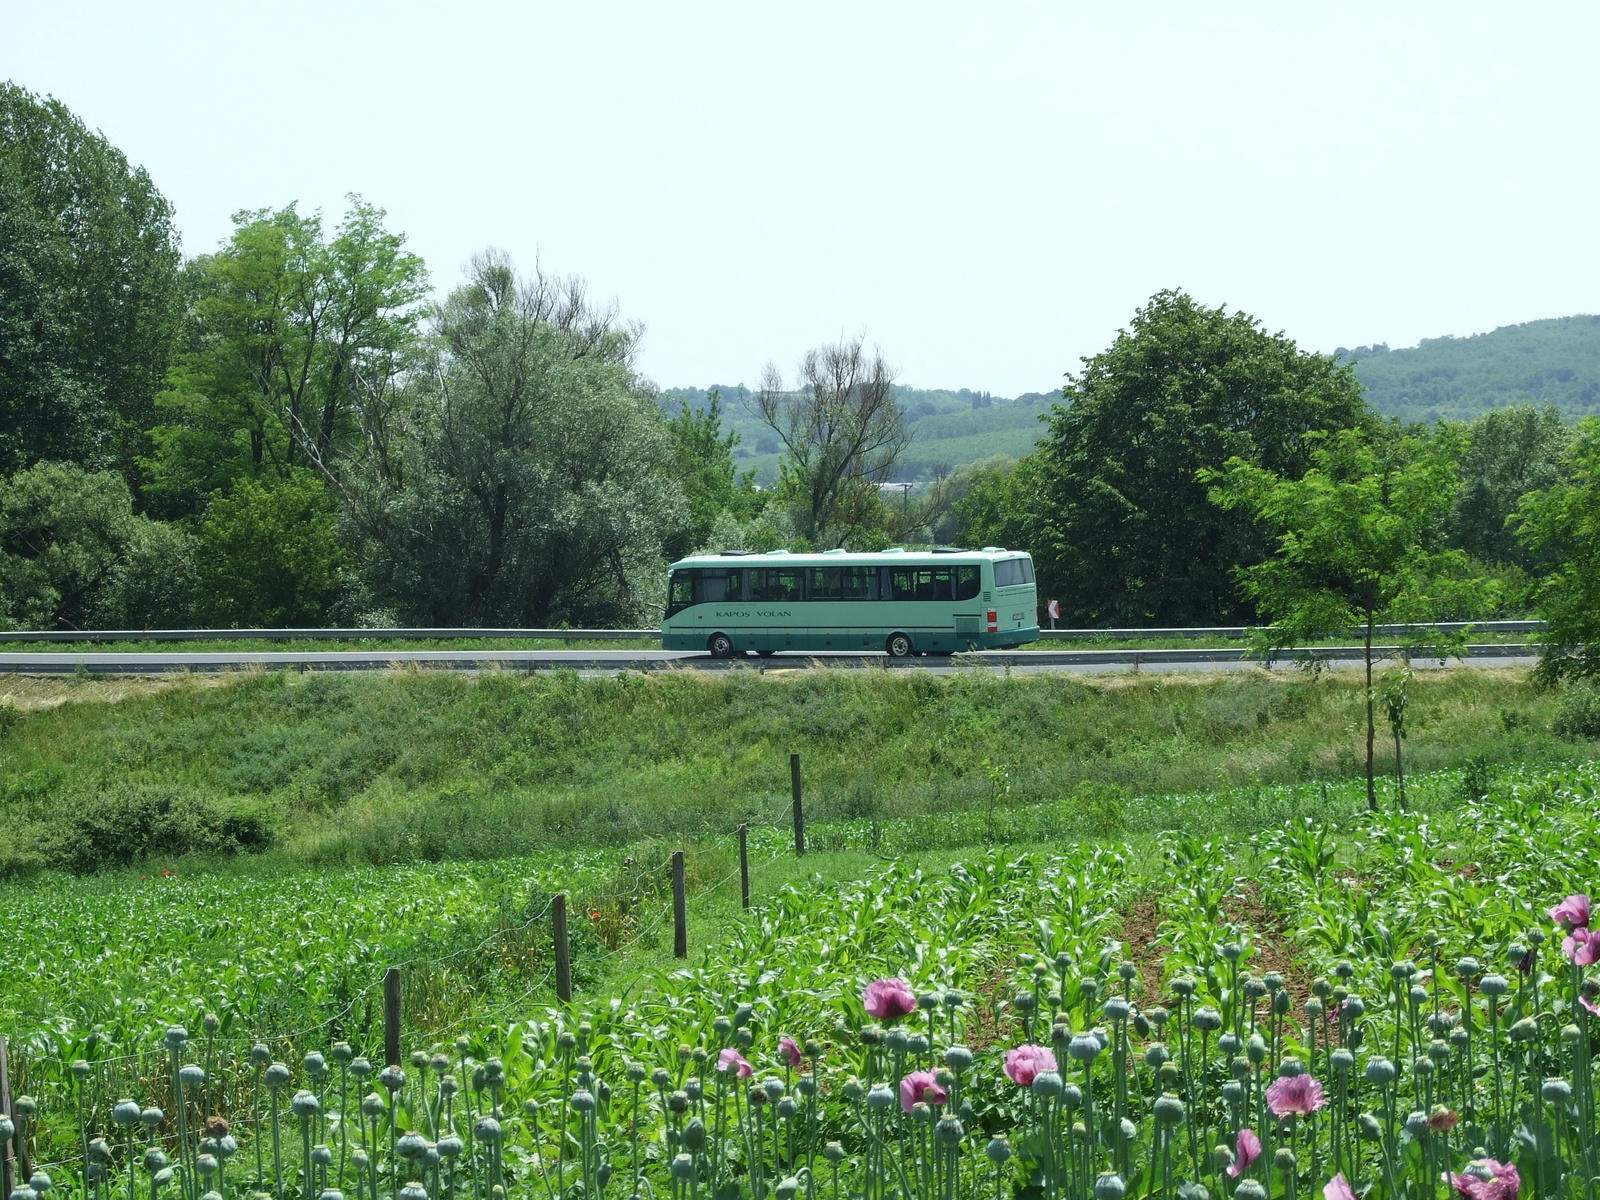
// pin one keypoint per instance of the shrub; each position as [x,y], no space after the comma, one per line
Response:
[127,822]
[1578,713]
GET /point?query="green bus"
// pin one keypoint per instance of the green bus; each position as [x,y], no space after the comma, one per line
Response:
[897,601]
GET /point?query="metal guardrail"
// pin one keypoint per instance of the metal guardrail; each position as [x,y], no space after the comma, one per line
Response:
[397,635]
[1235,632]
[1225,632]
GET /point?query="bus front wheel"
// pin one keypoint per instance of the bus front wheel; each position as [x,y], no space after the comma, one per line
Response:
[720,645]
[898,646]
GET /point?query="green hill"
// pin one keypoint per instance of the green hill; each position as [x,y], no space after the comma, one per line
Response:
[948,427]
[1555,361]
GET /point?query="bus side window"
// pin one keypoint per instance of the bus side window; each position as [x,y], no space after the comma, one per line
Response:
[933,585]
[773,584]
[969,582]
[861,583]
[823,583]
[681,590]
[903,584]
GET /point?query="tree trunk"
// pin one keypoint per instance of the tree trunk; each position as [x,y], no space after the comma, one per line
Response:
[1372,791]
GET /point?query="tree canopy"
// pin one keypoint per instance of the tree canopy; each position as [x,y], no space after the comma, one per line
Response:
[89,298]
[1123,532]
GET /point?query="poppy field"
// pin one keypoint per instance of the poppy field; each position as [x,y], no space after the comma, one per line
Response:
[1400,1004]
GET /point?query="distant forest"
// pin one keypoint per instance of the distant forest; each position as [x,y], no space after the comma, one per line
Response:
[1555,361]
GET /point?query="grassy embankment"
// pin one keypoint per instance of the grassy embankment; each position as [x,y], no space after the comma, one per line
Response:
[331,769]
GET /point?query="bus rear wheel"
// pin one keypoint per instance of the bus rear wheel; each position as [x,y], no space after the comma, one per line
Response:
[898,646]
[720,645]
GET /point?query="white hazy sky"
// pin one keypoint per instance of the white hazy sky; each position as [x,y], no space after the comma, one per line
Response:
[986,191]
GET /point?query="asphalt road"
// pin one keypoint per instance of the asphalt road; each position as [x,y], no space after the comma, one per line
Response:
[608,661]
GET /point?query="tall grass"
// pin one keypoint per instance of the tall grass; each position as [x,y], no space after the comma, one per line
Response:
[417,765]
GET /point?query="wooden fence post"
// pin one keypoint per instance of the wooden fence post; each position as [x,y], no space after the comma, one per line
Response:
[680,909]
[799,816]
[744,865]
[391,1016]
[558,911]
[8,1172]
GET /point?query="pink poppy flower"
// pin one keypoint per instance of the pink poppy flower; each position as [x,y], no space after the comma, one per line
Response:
[1249,1149]
[1582,946]
[731,1060]
[1338,1188]
[920,1085]
[789,1051]
[888,999]
[1024,1064]
[1572,913]
[1504,1183]
[1299,1095]
[1590,1005]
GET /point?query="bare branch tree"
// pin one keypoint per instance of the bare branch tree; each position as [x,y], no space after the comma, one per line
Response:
[840,428]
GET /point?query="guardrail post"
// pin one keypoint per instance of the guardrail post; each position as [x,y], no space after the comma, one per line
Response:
[799,816]
[680,909]
[558,913]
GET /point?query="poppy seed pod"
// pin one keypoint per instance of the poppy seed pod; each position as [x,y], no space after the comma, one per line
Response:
[316,1066]
[451,1147]
[1418,996]
[393,1078]
[206,1164]
[1255,1049]
[1345,969]
[786,1188]
[1253,988]
[1046,1083]
[1249,1189]
[921,1113]
[1493,985]
[853,1089]
[1240,1068]
[1439,1051]
[1232,951]
[448,1086]
[694,1134]
[787,1108]
[1290,1067]
[1159,1017]
[99,1151]
[155,1159]
[1109,1186]
[126,1112]
[177,1037]
[440,1064]
[1230,1044]
[1071,1097]
[374,1105]
[1089,988]
[897,1039]
[40,1182]
[360,1159]
[360,1067]
[998,1150]
[1281,1003]
[304,1104]
[1314,1007]
[1417,1124]
[582,1101]
[487,1131]
[1422,1068]
[23,1193]
[1168,1074]
[1380,1071]
[1233,1092]
[1355,1007]
[148,1117]
[1556,1091]
[277,1075]
[1321,988]
[413,1191]
[1283,1160]
[81,1069]
[806,1085]
[411,1145]
[1468,967]
[773,1088]
[1155,1054]
[917,1045]
[321,1156]
[1342,1060]
[682,1168]
[1168,1109]
[880,1099]
[328,1194]
[1084,1048]
[341,1052]
[833,1152]
[949,1131]
[1184,985]
[1207,1019]
[958,1058]
[1117,1009]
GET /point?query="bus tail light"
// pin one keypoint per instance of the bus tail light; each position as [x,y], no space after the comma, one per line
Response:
[994,620]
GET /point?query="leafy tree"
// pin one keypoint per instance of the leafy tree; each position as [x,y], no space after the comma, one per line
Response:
[1120,526]
[1563,522]
[841,433]
[88,290]
[271,553]
[1352,538]
[74,555]
[294,339]
[702,464]
[529,481]
[1510,452]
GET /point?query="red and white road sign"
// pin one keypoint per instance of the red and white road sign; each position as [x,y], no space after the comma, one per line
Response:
[1053,609]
